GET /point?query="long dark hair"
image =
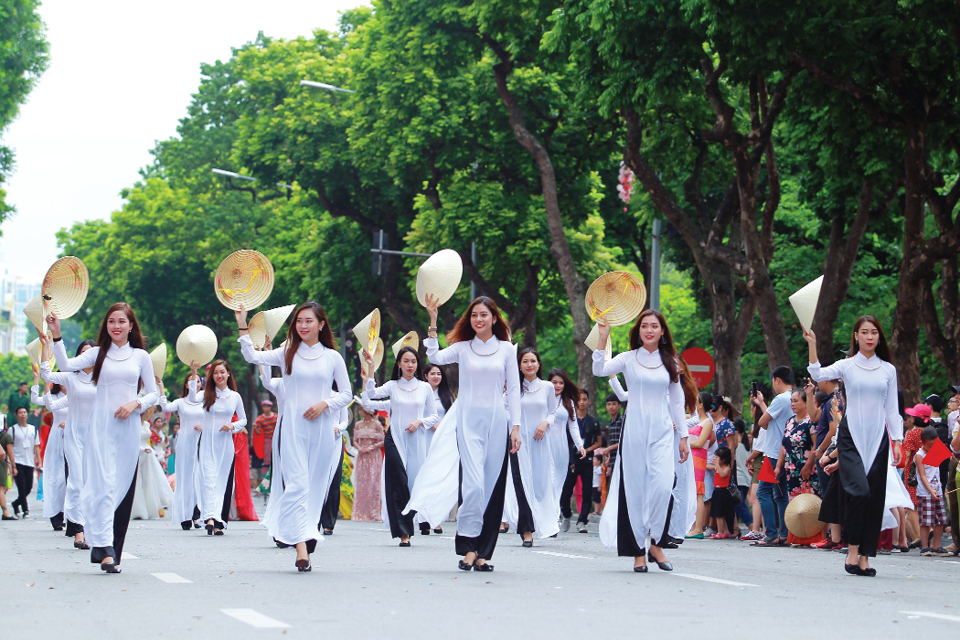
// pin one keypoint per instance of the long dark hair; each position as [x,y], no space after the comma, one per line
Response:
[443,389]
[464,332]
[293,336]
[185,391]
[520,355]
[883,349]
[689,386]
[668,353]
[570,394]
[136,339]
[210,387]
[395,375]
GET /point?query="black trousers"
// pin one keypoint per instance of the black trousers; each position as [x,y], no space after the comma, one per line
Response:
[227,497]
[72,527]
[627,545]
[525,522]
[121,520]
[860,495]
[331,508]
[24,483]
[485,544]
[585,473]
[396,492]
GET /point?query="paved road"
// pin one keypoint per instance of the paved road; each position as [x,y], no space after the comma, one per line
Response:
[182,584]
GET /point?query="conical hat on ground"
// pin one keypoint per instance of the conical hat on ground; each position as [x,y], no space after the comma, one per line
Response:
[803,515]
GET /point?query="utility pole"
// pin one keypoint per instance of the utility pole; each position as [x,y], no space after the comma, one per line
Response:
[655,265]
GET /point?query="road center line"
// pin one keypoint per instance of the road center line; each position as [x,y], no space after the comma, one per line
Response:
[928,614]
[254,618]
[731,583]
[171,578]
[563,555]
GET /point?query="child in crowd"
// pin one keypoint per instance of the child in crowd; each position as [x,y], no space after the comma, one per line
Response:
[597,472]
[933,515]
[723,504]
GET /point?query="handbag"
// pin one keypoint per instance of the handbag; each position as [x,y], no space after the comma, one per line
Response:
[735,494]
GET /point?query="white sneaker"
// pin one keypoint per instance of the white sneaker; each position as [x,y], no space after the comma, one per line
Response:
[581,527]
[565,525]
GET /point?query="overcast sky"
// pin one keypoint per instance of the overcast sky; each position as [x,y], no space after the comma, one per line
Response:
[120,77]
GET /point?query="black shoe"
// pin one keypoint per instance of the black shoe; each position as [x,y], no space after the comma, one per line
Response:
[438,530]
[281,545]
[81,545]
[60,528]
[218,532]
[465,566]
[669,545]
[405,544]
[109,567]
[505,529]
[642,569]
[328,532]
[528,543]
[303,565]
[483,567]
[209,528]
[663,566]
[852,569]
[6,517]
[196,525]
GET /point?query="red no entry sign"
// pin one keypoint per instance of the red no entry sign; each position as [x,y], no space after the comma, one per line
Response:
[701,365]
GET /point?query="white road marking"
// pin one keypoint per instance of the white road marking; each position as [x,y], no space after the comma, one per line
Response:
[564,555]
[128,556]
[254,618]
[938,616]
[171,578]
[731,583]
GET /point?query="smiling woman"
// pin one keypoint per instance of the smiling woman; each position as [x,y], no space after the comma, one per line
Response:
[121,366]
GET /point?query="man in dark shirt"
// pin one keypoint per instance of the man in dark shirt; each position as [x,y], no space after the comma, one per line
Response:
[616,426]
[580,467]
[17,399]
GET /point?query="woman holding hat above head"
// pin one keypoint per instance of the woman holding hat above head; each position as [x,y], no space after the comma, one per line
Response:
[480,344]
[215,463]
[304,444]
[81,394]
[110,454]
[186,497]
[640,500]
[862,437]
[412,414]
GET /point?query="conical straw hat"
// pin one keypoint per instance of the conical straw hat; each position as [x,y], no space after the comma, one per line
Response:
[268,323]
[33,352]
[368,330]
[805,302]
[439,276]
[617,296]
[35,313]
[65,286]
[411,340]
[803,515]
[593,339]
[159,359]
[378,352]
[244,278]
[197,343]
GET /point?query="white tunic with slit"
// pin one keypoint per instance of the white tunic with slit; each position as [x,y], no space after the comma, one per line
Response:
[216,448]
[54,468]
[81,395]
[306,448]
[646,453]
[112,447]
[186,492]
[563,424]
[473,434]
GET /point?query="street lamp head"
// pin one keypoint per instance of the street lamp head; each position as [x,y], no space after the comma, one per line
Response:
[322,85]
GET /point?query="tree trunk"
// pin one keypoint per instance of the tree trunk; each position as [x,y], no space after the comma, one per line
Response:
[559,247]
[905,339]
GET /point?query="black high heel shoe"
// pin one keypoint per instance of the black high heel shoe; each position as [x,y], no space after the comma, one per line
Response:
[303,566]
[642,569]
[217,532]
[109,567]
[81,545]
[663,566]
[209,528]
[438,530]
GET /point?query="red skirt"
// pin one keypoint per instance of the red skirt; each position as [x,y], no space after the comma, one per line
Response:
[242,497]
